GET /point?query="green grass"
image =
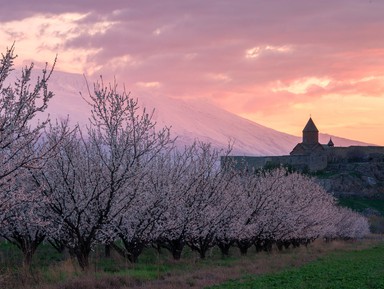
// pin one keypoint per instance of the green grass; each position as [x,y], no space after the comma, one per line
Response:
[44,255]
[360,204]
[323,174]
[356,269]
[51,268]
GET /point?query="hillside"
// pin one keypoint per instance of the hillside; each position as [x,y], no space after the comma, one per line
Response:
[189,120]
[362,179]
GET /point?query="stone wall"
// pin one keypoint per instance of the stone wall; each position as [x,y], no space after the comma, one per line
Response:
[312,162]
[300,162]
[337,154]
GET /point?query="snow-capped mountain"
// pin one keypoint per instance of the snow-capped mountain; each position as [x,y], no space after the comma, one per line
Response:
[189,120]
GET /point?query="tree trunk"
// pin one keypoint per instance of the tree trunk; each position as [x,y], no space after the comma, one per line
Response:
[175,246]
[244,246]
[202,253]
[28,245]
[280,245]
[176,253]
[243,250]
[27,257]
[224,248]
[201,245]
[267,247]
[296,243]
[134,248]
[83,259]
[82,252]
[107,251]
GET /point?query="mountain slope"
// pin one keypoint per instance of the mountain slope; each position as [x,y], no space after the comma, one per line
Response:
[189,120]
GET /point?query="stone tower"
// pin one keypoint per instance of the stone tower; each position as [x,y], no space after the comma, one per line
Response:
[310,133]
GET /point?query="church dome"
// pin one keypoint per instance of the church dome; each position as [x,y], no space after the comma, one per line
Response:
[310,127]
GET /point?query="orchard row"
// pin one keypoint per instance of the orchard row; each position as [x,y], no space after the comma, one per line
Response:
[123,178]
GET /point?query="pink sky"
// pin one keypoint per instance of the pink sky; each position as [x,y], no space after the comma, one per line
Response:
[275,62]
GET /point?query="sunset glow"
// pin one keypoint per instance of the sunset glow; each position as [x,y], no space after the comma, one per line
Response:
[273,62]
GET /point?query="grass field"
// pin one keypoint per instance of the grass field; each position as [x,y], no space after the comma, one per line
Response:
[360,204]
[154,271]
[372,208]
[356,269]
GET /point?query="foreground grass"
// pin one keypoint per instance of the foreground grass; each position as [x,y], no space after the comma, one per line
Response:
[155,271]
[356,269]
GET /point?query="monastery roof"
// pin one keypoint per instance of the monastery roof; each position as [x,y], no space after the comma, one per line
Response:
[307,149]
[310,127]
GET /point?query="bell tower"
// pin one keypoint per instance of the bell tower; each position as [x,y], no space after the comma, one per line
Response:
[310,133]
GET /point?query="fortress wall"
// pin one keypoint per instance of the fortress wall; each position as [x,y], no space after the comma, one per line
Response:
[313,162]
[317,162]
[300,162]
[241,162]
[363,152]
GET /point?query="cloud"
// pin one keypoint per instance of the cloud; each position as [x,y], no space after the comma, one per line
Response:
[257,51]
[150,84]
[302,85]
[249,56]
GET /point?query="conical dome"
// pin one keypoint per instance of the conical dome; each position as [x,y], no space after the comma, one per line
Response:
[310,127]
[310,133]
